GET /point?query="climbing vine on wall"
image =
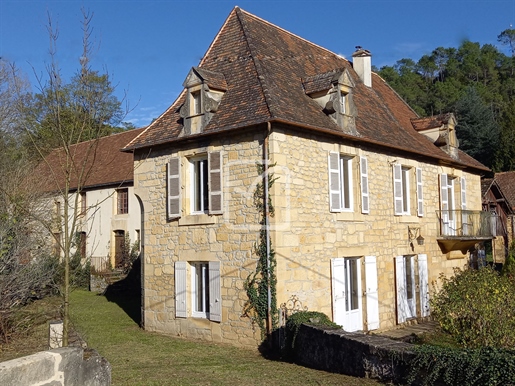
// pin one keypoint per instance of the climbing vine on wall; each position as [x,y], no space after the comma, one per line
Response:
[264,276]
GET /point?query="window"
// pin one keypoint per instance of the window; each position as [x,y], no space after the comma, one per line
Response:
[407,301]
[200,289]
[341,183]
[402,190]
[199,185]
[205,290]
[204,176]
[123,201]
[196,103]
[343,103]
[451,196]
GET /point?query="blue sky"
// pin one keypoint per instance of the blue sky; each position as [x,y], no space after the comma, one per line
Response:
[149,46]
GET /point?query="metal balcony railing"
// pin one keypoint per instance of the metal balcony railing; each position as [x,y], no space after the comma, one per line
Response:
[467,224]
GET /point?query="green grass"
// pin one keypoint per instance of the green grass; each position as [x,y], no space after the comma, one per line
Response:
[138,357]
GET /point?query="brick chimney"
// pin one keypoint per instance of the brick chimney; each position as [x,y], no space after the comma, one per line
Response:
[362,63]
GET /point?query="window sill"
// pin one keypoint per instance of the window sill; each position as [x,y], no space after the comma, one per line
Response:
[408,218]
[198,219]
[350,216]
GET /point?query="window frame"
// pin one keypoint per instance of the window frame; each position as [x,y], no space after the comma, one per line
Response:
[122,201]
[402,189]
[200,298]
[199,184]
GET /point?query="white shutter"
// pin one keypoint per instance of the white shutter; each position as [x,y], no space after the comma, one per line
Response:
[174,188]
[463,193]
[215,298]
[365,203]
[397,189]
[215,183]
[444,199]
[180,289]
[338,285]
[400,284]
[444,204]
[371,293]
[420,193]
[335,191]
[423,283]
[466,228]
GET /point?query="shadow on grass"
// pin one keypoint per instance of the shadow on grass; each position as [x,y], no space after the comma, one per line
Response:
[126,293]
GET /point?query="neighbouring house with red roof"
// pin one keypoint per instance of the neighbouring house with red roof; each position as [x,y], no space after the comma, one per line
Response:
[499,198]
[370,201]
[101,188]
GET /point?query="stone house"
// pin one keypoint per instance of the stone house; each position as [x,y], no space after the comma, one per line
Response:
[107,209]
[498,195]
[370,202]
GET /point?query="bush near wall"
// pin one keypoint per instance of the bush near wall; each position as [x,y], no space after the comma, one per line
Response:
[432,365]
[477,308]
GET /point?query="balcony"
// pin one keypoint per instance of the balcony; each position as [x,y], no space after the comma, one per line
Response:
[460,230]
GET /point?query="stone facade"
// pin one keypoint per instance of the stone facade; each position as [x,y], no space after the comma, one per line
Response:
[304,233]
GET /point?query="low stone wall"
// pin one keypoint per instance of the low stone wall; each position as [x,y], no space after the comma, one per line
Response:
[354,354]
[68,366]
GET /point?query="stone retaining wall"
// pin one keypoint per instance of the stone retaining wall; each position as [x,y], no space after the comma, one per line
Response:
[354,354]
[70,366]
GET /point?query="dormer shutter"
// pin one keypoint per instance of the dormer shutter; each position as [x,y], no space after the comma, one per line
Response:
[174,188]
[215,183]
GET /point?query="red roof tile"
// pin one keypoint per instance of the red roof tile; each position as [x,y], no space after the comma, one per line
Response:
[268,70]
[100,162]
[506,182]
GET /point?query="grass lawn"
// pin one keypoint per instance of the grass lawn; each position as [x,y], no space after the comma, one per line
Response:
[143,358]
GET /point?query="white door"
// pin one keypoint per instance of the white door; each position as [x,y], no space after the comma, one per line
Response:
[405,283]
[346,278]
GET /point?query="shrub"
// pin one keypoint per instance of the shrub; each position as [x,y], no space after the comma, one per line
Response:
[294,322]
[466,367]
[476,308]
[508,268]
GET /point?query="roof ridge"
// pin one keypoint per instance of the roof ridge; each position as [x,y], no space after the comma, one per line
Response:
[292,34]
[259,70]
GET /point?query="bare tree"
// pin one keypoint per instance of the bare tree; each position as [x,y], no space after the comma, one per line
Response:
[63,115]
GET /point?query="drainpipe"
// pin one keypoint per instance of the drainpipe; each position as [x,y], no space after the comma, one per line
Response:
[267,229]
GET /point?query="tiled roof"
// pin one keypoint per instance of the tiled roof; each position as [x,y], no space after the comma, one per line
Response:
[268,70]
[100,161]
[486,183]
[506,182]
[430,122]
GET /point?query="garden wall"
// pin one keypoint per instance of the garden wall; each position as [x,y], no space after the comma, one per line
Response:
[354,354]
[70,366]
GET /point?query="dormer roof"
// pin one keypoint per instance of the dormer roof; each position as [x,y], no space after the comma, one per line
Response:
[197,76]
[269,74]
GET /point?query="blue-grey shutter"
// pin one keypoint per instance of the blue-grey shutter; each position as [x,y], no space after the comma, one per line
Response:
[365,198]
[397,189]
[400,284]
[215,183]
[215,297]
[174,188]
[372,293]
[180,289]
[420,193]
[335,191]
[423,282]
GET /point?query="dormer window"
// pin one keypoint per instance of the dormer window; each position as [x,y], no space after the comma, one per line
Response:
[333,91]
[196,98]
[204,92]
